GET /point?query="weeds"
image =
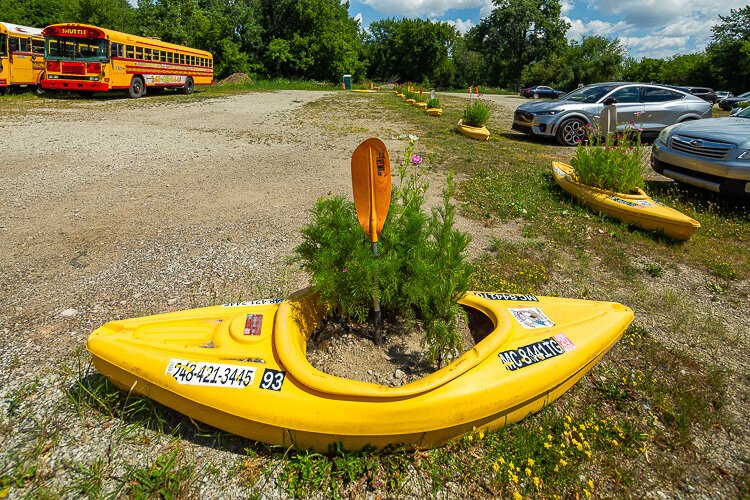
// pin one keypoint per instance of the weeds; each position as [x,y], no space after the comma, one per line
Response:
[165,478]
[476,114]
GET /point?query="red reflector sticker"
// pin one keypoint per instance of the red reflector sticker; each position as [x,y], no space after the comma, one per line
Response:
[253,324]
[564,342]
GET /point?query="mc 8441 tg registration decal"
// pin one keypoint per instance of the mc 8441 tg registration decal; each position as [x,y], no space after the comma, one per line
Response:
[533,353]
[210,374]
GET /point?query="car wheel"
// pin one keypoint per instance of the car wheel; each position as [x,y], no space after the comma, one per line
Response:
[189,86]
[137,88]
[536,96]
[571,132]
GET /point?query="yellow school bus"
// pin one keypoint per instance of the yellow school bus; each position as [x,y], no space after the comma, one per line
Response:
[87,59]
[21,56]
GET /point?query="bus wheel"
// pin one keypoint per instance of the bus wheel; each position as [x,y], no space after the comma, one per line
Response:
[137,88]
[189,86]
[38,89]
[86,94]
[2,90]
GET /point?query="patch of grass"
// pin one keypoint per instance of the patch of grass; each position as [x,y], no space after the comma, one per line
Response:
[89,478]
[511,268]
[166,477]
[17,397]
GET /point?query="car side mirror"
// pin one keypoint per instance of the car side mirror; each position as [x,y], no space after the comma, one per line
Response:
[609,101]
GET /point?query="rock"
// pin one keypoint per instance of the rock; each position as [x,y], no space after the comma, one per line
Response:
[369,372]
[68,313]
[171,302]
[398,374]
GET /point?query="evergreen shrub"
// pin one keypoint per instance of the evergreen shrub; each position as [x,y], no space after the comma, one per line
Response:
[420,271]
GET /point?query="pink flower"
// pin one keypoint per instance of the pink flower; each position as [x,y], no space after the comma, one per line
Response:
[416,159]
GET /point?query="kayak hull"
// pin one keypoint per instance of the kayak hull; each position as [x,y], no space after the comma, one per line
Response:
[434,111]
[165,357]
[478,133]
[636,209]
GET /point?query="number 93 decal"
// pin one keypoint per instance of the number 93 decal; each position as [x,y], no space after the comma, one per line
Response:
[272,379]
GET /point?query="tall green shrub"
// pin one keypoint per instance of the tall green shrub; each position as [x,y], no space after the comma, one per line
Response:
[420,268]
[612,163]
[476,114]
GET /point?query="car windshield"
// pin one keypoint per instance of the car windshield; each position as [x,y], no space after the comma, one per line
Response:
[745,113]
[591,93]
[746,94]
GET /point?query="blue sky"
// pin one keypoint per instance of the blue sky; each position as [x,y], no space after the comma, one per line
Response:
[648,28]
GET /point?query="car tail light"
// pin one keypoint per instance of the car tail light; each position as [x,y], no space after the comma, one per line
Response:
[53,65]
[93,67]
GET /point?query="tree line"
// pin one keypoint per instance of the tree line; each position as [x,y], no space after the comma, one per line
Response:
[521,43]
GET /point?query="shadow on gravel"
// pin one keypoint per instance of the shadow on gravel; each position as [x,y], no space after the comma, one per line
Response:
[95,394]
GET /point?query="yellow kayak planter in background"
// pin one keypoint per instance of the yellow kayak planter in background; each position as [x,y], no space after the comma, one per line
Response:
[434,111]
[421,105]
[637,209]
[410,101]
[362,91]
[242,368]
[479,133]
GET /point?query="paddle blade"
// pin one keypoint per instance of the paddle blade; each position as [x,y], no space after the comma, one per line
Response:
[371,184]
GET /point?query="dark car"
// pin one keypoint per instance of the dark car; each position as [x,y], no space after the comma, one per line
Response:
[731,102]
[704,93]
[538,91]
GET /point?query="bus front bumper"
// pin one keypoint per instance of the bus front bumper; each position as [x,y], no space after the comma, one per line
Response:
[75,85]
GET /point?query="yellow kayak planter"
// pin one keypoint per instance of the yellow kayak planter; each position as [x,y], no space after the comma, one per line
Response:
[434,111]
[362,91]
[402,96]
[242,368]
[478,133]
[421,105]
[411,101]
[637,209]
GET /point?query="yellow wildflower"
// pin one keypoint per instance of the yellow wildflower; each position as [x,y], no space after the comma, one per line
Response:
[568,418]
[563,462]
[591,484]
[549,437]
[528,471]
[530,461]
[547,445]
[615,443]
[495,467]
[514,478]
[470,438]
[517,496]
[481,433]
[502,460]
[587,492]
[537,481]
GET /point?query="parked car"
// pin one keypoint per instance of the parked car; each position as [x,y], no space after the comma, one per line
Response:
[731,102]
[723,94]
[647,107]
[704,93]
[538,91]
[713,154]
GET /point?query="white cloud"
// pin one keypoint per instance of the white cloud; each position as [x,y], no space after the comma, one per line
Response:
[579,28]
[654,13]
[655,46]
[567,6]
[358,18]
[461,25]
[423,8]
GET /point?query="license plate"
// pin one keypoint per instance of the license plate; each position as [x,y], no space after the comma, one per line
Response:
[531,354]
[210,374]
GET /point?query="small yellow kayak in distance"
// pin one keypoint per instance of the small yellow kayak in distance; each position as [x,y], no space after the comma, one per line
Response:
[637,209]
[243,368]
[478,133]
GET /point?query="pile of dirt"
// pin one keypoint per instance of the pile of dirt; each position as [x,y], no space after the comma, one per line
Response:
[235,78]
[348,350]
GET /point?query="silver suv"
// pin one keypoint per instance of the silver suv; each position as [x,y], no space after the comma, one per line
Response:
[647,107]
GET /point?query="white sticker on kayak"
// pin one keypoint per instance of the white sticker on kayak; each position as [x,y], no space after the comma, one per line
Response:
[210,374]
[258,302]
[531,317]
[558,171]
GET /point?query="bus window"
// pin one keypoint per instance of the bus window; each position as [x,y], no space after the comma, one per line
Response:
[192,60]
[182,58]
[3,44]
[37,46]
[139,52]
[117,49]
[210,63]
[14,44]
[156,55]
[169,57]
[129,51]
[147,54]
[25,44]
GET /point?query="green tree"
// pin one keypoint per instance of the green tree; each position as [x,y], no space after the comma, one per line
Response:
[517,34]
[729,51]
[112,14]
[645,70]
[596,59]
[687,69]
[310,39]
[411,50]
[37,13]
